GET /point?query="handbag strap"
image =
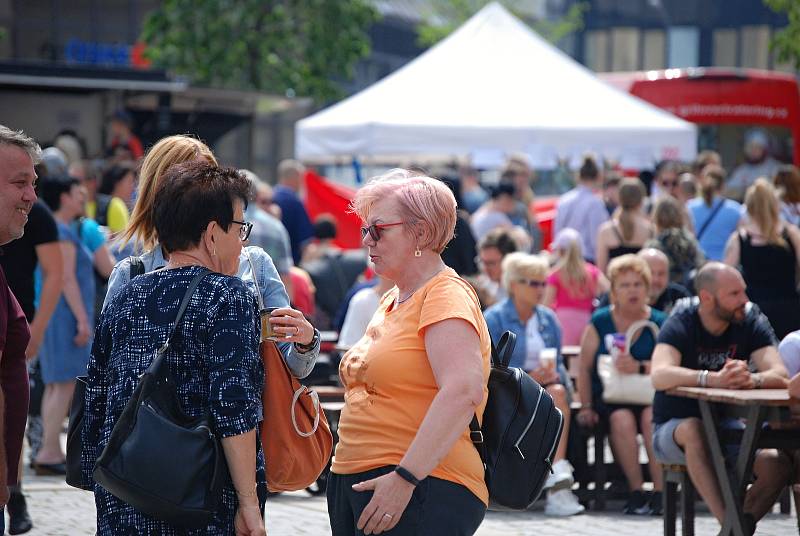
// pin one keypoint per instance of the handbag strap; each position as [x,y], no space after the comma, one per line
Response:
[184,303]
[634,328]
[255,281]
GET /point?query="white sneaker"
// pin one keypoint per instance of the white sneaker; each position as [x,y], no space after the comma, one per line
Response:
[562,503]
[561,477]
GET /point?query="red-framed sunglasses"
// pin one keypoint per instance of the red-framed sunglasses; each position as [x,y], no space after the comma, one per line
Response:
[374,230]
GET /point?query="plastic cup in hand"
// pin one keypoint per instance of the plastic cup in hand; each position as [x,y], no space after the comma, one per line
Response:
[267,329]
[547,357]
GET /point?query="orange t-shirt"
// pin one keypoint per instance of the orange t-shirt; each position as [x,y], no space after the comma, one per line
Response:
[389,383]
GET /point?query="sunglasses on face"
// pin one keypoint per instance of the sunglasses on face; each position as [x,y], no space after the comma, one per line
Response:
[533,283]
[244,230]
[374,230]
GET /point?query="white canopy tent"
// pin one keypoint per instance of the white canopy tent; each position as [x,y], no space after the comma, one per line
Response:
[491,88]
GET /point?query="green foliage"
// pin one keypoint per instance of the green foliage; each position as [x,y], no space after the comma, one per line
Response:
[292,47]
[786,42]
[444,16]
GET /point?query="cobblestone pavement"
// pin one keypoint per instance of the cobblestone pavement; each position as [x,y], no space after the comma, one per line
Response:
[58,509]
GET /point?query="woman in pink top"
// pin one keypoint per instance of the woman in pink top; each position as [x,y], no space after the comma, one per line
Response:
[572,286]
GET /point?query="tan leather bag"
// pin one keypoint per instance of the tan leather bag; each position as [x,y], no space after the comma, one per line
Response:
[295,435]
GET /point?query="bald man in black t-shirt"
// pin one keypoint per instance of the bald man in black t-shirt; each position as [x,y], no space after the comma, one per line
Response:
[713,342]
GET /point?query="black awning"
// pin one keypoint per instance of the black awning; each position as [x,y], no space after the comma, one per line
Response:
[85,77]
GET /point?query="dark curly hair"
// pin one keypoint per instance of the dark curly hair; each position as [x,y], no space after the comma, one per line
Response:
[191,196]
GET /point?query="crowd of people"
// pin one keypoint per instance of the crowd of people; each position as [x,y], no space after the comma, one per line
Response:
[93,272]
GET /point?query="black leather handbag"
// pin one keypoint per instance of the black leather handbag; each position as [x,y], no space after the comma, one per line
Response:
[74,443]
[158,459]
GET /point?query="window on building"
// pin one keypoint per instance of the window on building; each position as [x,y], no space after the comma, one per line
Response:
[596,50]
[683,46]
[624,49]
[725,47]
[654,50]
[755,46]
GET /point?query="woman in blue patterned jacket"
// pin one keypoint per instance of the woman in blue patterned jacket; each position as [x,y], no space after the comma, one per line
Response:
[301,347]
[213,355]
[537,329]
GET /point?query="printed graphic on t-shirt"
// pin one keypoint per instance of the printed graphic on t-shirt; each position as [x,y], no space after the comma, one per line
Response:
[714,359]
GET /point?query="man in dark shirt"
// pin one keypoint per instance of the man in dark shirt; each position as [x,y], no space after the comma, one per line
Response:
[37,247]
[663,292]
[293,214]
[18,153]
[708,342]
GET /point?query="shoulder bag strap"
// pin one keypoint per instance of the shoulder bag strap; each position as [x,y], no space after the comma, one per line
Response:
[709,219]
[255,281]
[136,267]
[634,328]
[184,303]
[156,365]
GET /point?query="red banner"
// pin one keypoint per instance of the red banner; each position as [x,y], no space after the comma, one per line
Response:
[325,197]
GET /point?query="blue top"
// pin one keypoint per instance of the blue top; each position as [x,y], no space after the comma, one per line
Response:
[502,317]
[60,359]
[213,358]
[716,235]
[642,349]
[272,292]
[473,199]
[269,234]
[294,218]
[90,233]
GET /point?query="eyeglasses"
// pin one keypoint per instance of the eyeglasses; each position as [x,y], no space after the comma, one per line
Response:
[533,283]
[244,230]
[374,230]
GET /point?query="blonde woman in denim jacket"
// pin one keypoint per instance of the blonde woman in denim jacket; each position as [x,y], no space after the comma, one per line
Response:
[301,343]
[537,328]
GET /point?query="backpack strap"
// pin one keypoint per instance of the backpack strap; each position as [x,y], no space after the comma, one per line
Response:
[476,436]
[501,356]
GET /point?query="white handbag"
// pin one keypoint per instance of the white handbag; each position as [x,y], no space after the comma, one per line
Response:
[619,388]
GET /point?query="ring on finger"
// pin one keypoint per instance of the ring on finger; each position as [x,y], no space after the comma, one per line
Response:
[390,516]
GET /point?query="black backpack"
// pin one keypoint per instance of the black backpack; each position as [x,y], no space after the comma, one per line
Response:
[521,430]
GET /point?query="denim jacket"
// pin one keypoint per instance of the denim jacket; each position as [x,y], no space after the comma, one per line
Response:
[272,291]
[502,317]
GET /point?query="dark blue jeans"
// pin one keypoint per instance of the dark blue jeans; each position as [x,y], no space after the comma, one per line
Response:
[437,507]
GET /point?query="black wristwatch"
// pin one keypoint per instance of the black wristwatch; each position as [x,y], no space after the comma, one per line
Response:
[642,370]
[305,348]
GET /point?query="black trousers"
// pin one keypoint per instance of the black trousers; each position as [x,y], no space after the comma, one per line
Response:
[437,507]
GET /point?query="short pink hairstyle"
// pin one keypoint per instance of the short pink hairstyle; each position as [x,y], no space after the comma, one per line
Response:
[427,205]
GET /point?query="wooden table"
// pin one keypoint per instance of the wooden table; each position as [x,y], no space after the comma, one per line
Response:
[757,406]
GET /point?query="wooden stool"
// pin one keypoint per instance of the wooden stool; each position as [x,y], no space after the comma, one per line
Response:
[674,476]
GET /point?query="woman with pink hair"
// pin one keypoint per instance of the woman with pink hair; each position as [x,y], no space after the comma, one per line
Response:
[415,379]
